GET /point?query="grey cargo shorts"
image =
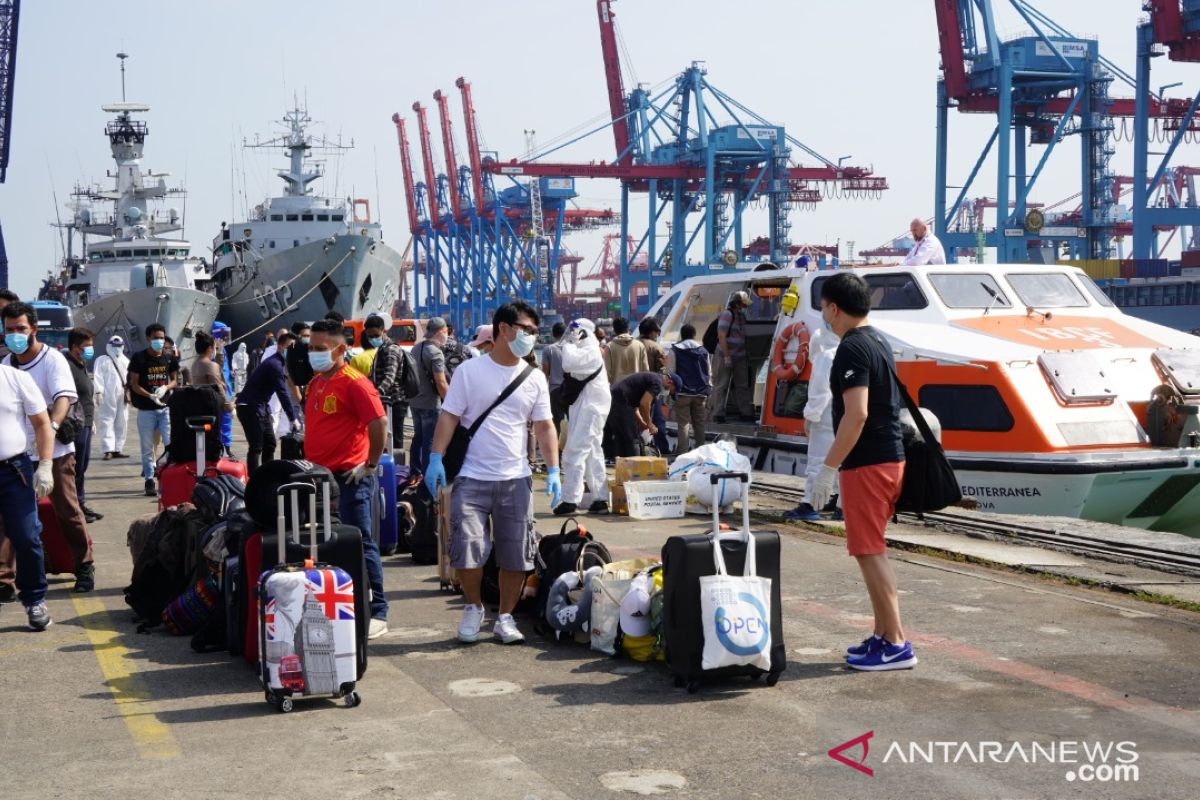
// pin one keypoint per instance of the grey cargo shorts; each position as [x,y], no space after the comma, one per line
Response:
[504,506]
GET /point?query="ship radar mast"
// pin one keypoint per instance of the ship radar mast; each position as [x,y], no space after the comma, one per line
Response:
[298,144]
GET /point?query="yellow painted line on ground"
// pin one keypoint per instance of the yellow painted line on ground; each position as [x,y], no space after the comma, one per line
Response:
[154,740]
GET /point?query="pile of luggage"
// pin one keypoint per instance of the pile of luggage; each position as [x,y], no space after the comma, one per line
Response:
[261,568]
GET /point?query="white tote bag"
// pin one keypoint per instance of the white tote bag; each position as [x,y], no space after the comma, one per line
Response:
[736,611]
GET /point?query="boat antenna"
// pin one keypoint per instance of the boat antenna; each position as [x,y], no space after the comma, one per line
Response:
[122,56]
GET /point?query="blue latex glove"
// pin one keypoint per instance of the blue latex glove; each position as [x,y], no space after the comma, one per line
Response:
[554,486]
[435,474]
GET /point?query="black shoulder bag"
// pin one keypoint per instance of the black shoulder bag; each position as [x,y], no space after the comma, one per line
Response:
[456,452]
[572,387]
[929,482]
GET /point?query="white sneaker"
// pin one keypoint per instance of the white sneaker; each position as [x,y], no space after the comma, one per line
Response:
[506,630]
[472,619]
[377,628]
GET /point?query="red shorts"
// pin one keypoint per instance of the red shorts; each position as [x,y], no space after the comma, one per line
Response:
[869,496]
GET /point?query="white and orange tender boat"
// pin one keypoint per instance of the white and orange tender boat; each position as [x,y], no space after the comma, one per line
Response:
[1041,385]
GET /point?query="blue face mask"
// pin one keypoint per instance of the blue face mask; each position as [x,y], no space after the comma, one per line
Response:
[523,344]
[17,342]
[320,361]
[303,340]
[158,344]
[88,352]
[376,341]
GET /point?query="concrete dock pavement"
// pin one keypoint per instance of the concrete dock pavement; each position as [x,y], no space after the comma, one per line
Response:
[1026,688]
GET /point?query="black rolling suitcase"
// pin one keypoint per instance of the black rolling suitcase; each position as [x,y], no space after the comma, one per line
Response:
[343,548]
[688,558]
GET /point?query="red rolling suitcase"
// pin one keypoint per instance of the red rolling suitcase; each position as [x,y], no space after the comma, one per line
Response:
[176,481]
[55,548]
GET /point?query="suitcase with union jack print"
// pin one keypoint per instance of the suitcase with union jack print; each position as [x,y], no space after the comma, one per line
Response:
[308,632]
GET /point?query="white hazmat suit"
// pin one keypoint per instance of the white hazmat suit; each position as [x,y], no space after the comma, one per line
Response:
[112,412]
[583,454]
[818,411]
[239,366]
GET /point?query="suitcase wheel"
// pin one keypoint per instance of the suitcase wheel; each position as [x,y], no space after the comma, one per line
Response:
[693,687]
[679,682]
[285,704]
[352,700]
[773,678]
[388,550]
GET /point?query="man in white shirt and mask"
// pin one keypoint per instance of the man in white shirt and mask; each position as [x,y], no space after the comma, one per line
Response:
[927,249]
[112,408]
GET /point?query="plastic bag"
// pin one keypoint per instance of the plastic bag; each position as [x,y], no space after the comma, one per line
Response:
[696,465]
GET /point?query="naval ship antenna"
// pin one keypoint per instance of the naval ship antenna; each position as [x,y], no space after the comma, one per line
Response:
[122,56]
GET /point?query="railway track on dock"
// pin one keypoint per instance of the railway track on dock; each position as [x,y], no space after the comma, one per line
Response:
[1079,544]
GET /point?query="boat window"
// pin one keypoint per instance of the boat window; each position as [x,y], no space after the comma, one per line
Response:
[172,252]
[338,217]
[140,253]
[667,307]
[277,218]
[272,244]
[1046,290]
[322,218]
[94,257]
[158,251]
[969,290]
[967,408]
[764,301]
[306,217]
[183,251]
[293,217]
[1095,291]
[403,332]
[894,292]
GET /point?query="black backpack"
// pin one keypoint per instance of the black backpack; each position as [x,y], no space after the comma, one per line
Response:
[166,564]
[194,401]
[455,354]
[410,380]
[711,340]
[218,496]
[571,550]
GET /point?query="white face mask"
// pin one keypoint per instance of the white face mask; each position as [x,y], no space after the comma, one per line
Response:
[115,350]
[523,344]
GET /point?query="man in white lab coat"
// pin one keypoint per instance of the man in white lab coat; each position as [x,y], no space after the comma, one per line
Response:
[927,249]
[112,409]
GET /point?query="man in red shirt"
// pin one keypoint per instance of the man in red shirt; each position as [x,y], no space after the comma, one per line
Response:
[345,432]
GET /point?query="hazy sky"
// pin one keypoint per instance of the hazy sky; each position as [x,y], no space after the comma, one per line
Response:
[847,78]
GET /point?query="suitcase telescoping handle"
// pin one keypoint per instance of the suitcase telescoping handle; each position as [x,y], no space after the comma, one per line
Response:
[751,565]
[201,425]
[292,492]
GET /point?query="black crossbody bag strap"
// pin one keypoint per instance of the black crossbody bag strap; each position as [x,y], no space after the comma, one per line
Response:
[508,390]
[918,417]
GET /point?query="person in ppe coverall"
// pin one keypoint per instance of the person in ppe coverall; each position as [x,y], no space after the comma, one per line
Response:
[112,407]
[583,454]
[241,365]
[818,419]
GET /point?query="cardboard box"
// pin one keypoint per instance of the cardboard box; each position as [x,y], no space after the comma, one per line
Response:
[641,468]
[617,502]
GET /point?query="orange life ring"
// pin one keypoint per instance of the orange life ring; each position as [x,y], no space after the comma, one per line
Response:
[780,368]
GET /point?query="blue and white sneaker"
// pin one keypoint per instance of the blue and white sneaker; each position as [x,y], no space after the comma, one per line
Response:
[803,512]
[837,515]
[863,647]
[884,656]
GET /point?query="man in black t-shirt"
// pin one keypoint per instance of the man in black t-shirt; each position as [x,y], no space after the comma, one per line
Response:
[869,452]
[631,413]
[153,373]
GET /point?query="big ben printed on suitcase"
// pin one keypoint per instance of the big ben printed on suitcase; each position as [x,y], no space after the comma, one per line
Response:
[307,644]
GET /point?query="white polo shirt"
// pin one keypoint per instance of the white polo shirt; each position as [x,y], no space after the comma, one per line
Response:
[19,400]
[52,375]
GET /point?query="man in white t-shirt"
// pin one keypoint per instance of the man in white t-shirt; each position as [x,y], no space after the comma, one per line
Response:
[50,371]
[21,486]
[495,484]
